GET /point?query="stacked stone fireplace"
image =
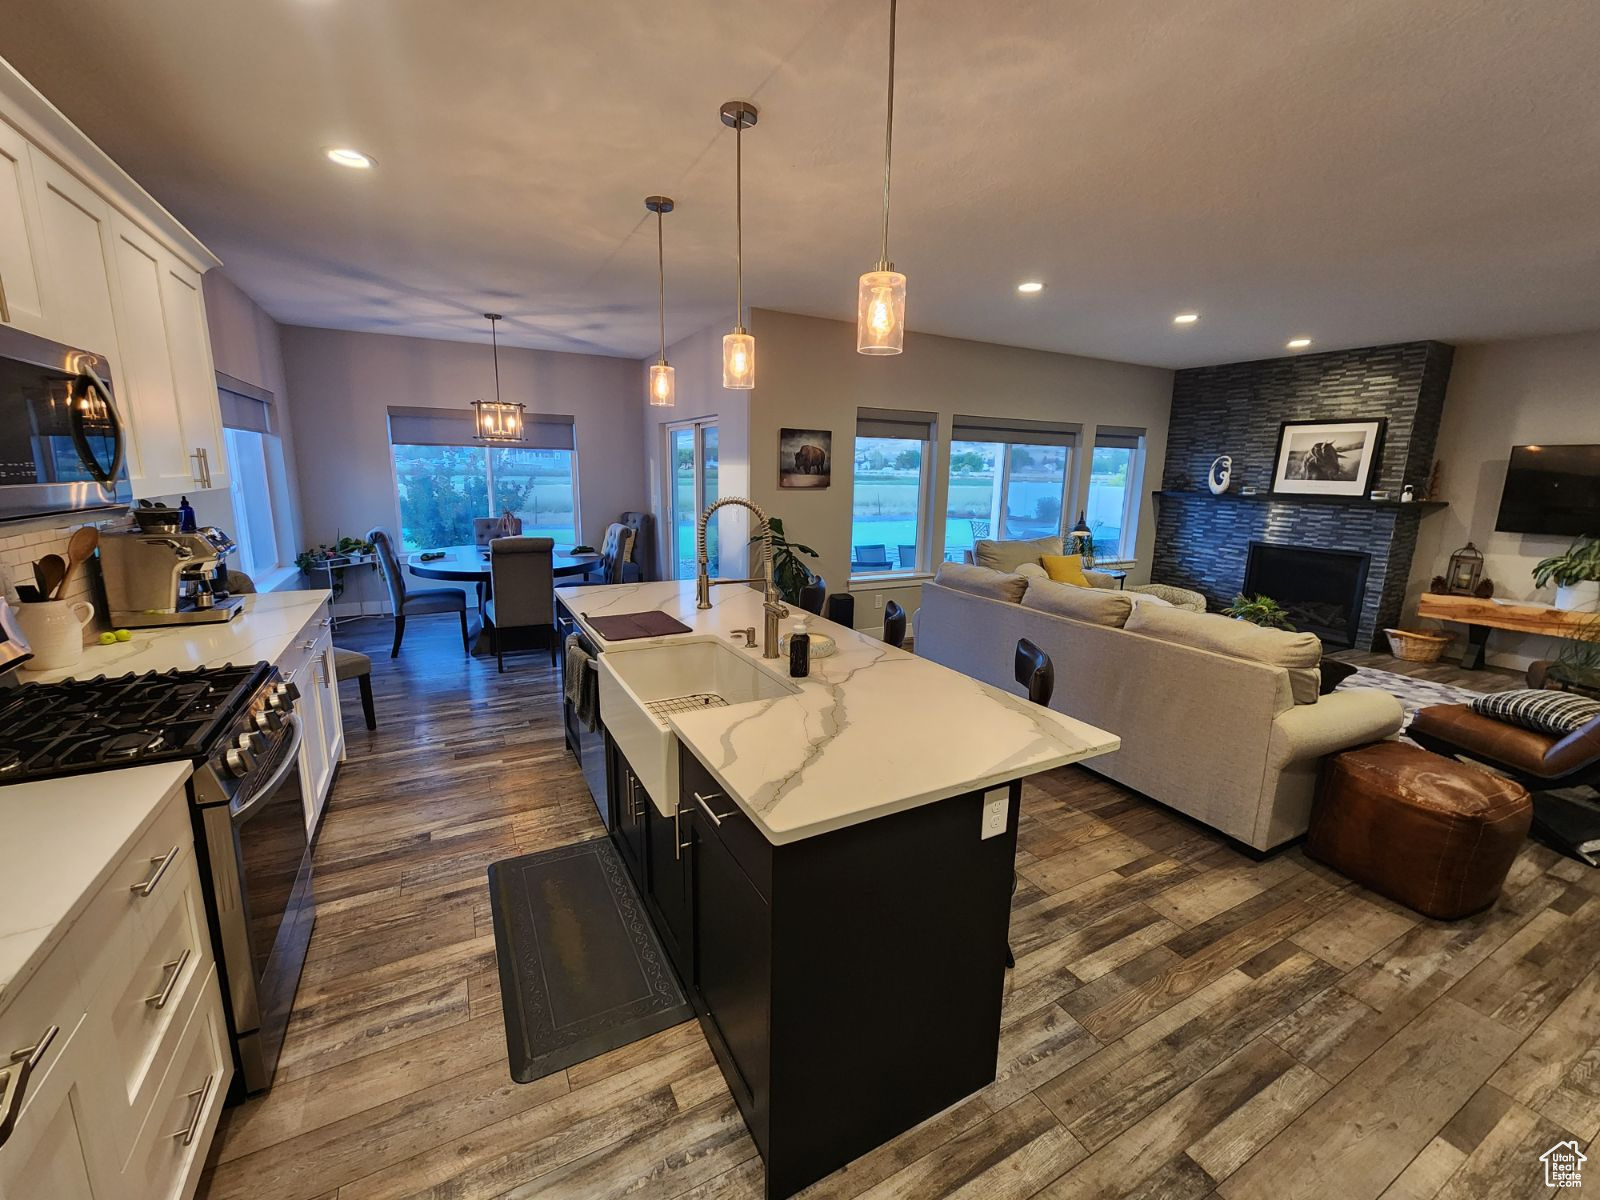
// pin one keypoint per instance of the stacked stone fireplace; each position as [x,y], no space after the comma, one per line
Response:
[1204,542]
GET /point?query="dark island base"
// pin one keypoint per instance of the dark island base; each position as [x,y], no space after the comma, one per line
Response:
[849,984]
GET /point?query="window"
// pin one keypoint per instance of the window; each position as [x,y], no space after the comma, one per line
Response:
[692,453]
[893,452]
[445,480]
[1008,479]
[255,457]
[1114,475]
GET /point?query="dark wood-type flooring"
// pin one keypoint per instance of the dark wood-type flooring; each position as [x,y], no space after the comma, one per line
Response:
[1183,1021]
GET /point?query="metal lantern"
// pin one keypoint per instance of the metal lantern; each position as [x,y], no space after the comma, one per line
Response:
[1466,568]
[497,420]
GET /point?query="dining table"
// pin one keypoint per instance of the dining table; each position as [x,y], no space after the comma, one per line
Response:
[470,564]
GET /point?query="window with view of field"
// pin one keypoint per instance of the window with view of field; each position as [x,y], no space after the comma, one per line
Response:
[892,455]
[1114,478]
[442,488]
[1008,480]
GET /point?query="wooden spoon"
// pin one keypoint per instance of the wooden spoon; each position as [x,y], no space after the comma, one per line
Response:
[50,571]
[84,542]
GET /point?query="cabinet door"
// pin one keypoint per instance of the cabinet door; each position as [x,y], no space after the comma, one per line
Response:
[631,806]
[671,882]
[194,379]
[733,954]
[21,271]
[78,257]
[158,457]
[313,744]
[52,1150]
[328,697]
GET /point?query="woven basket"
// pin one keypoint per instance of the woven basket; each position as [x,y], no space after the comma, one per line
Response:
[1418,645]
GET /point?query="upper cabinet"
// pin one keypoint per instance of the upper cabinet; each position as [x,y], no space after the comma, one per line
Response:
[88,259]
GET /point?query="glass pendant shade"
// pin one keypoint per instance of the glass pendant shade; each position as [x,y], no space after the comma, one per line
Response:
[881,313]
[663,385]
[497,421]
[738,360]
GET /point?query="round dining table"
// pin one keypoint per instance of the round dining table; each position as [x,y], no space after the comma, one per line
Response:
[470,564]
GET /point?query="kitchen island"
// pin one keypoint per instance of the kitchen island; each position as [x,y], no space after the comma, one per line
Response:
[828,860]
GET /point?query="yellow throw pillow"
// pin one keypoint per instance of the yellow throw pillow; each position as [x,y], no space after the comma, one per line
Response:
[1065,568]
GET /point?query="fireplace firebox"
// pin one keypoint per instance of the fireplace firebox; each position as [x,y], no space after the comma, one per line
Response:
[1322,590]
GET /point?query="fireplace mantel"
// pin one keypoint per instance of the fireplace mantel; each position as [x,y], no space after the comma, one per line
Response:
[1420,506]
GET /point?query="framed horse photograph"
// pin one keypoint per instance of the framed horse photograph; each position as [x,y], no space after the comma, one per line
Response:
[805,458]
[1327,458]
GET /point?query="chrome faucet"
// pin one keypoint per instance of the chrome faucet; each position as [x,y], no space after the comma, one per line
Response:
[703,583]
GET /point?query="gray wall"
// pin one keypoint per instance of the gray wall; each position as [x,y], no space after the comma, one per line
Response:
[1202,541]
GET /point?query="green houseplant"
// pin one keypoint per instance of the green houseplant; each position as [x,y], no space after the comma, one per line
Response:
[1259,610]
[343,548]
[1576,575]
[788,572]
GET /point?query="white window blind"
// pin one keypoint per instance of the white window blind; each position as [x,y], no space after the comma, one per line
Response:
[410,426]
[1015,432]
[895,423]
[1112,437]
[244,406]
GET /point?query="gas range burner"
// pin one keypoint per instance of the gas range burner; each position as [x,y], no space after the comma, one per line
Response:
[97,724]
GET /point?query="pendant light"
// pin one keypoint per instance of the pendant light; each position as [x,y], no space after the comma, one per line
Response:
[497,420]
[881,293]
[738,347]
[663,379]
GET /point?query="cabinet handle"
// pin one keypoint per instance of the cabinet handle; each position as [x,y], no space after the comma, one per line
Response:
[148,884]
[705,803]
[14,1079]
[159,1000]
[678,844]
[186,1134]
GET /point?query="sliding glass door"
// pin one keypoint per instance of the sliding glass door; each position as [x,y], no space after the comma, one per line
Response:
[691,485]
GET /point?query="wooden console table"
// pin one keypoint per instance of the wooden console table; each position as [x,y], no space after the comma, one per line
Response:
[1483,615]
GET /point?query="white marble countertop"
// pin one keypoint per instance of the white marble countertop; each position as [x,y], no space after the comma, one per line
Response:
[63,837]
[873,730]
[261,633]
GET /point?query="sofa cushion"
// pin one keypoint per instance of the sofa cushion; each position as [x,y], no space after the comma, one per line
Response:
[1095,606]
[1032,570]
[1139,597]
[1008,556]
[1299,653]
[981,581]
[1555,713]
[1065,568]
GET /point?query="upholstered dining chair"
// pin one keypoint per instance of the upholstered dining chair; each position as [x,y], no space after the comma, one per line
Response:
[524,592]
[419,604]
[894,623]
[813,595]
[616,560]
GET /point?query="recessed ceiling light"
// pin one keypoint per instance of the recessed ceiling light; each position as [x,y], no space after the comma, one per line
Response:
[346,157]
[1299,343]
[1030,287]
[1185,318]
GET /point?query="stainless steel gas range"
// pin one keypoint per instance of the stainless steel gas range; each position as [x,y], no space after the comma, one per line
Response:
[238,726]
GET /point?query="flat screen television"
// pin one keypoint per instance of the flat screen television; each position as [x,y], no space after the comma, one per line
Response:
[1551,489]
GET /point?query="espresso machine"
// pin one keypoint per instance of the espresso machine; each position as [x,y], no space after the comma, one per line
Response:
[168,577]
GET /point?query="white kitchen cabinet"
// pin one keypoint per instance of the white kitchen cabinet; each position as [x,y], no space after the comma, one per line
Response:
[309,665]
[21,278]
[157,463]
[51,1151]
[194,379]
[78,250]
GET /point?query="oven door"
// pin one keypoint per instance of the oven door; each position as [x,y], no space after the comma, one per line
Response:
[61,436]
[261,871]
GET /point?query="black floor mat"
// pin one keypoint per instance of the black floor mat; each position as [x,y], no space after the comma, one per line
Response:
[581,969]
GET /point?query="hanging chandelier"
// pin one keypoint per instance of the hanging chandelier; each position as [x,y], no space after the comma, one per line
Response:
[496,420]
[663,379]
[881,293]
[738,347]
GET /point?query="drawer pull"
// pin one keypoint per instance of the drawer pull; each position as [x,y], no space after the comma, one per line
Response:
[200,1095]
[14,1080]
[678,844]
[705,803]
[175,967]
[148,884]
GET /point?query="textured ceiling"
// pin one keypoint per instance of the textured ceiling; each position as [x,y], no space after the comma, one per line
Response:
[1357,171]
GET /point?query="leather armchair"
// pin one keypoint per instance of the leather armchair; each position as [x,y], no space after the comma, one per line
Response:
[1539,761]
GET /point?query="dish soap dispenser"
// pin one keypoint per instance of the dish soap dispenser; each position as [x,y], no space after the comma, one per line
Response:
[799,651]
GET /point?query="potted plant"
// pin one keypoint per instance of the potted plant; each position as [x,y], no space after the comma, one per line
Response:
[788,572]
[335,555]
[1576,575]
[1259,610]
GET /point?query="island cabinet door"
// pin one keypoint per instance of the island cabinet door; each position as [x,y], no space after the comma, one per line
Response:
[631,806]
[671,885]
[733,953]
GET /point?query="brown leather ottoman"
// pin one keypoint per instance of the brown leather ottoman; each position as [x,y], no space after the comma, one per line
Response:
[1432,833]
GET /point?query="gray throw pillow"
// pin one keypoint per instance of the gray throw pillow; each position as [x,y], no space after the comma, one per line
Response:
[1299,653]
[1008,556]
[981,581]
[1554,713]
[1093,606]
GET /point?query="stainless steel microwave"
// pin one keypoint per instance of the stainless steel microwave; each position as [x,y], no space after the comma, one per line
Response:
[61,436]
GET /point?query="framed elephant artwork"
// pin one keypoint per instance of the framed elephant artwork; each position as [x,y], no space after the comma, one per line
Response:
[805,458]
[1327,458]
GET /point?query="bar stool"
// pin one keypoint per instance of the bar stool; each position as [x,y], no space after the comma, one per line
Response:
[1037,673]
[813,594]
[894,624]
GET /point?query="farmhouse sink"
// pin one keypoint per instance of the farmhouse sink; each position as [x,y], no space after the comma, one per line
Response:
[638,687]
